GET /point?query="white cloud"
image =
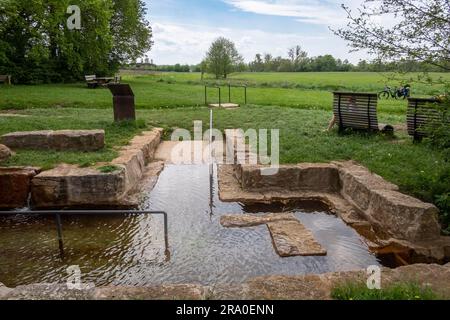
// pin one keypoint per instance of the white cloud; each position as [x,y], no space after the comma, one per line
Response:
[181,43]
[309,11]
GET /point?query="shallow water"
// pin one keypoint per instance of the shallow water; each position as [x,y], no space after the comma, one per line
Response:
[130,250]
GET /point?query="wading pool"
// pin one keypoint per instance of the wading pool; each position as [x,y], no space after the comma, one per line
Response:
[130,251]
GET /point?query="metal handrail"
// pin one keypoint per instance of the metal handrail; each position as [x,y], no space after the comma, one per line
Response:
[237,86]
[206,94]
[58,213]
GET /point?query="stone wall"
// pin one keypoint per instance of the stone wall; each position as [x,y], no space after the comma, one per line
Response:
[282,287]
[77,140]
[304,176]
[71,186]
[390,213]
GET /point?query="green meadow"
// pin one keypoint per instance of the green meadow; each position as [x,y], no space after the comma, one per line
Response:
[299,104]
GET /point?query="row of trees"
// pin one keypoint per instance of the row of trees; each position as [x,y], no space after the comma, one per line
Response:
[298,61]
[223,58]
[36,44]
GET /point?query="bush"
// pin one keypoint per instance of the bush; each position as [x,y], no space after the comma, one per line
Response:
[438,134]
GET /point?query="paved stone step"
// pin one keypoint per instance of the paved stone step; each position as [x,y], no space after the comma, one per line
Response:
[250,220]
[291,238]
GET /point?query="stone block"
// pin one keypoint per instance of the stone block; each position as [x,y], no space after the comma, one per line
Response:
[15,186]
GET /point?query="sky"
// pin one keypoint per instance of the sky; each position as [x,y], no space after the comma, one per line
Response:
[184,29]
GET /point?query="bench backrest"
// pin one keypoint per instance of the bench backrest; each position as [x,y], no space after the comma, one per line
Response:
[421,113]
[356,110]
[90,78]
[5,78]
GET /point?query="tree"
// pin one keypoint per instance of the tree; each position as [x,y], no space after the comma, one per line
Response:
[298,57]
[36,45]
[131,31]
[222,58]
[257,65]
[420,32]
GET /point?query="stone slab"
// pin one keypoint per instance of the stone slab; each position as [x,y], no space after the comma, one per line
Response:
[291,238]
[224,105]
[191,152]
[75,140]
[15,186]
[251,220]
[162,292]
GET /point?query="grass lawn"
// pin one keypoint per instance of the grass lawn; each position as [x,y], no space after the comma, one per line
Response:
[405,291]
[180,90]
[300,114]
[59,119]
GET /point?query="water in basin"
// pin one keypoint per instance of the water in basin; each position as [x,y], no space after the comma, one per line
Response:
[130,250]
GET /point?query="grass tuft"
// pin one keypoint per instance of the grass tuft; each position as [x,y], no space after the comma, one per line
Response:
[402,291]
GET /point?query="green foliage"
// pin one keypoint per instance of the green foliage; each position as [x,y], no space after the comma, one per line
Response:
[131,32]
[222,58]
[417,33]
[438,132]
[443,202]
[438,137]
[402,291]
[36,45]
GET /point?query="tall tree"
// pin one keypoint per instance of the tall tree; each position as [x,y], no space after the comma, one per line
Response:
[298,57]
[222,58]
[131,31]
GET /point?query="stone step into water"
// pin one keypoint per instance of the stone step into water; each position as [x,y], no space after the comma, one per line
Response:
[224,105]
[291,238]
[250,220]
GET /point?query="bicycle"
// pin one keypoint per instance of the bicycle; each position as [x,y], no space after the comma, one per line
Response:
[397,93]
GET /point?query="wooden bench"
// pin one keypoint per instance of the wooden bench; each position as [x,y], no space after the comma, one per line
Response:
[421,113]
[5,79]
[356,110]
[91,81]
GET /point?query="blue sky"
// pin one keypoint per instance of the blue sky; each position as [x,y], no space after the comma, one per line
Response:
[184,29]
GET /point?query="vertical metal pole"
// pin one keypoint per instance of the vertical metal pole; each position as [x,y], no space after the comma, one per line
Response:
[229,93]
[166,236]
[211,165]
[60,236]
[206,96]
[220,98]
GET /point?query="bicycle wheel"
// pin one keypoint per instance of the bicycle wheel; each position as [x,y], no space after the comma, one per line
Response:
[383,95]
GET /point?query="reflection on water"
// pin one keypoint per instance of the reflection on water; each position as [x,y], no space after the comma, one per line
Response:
[130,250]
